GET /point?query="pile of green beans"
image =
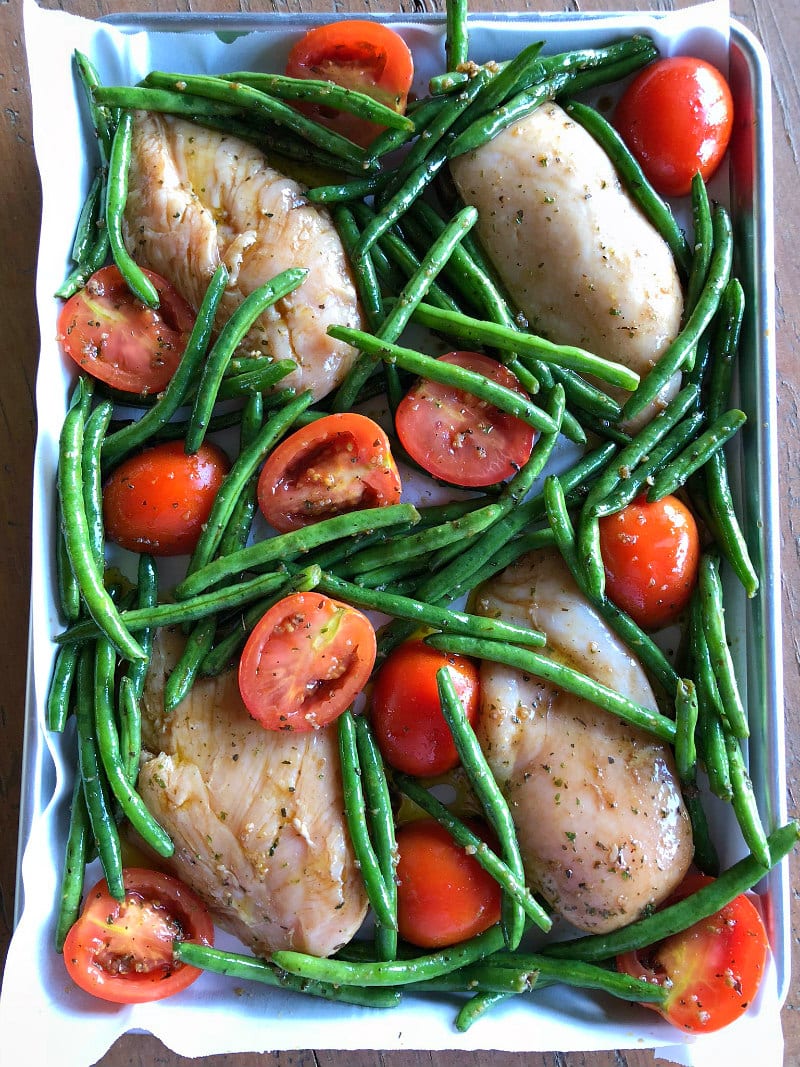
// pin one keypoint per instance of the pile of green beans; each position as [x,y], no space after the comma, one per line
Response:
[415,265]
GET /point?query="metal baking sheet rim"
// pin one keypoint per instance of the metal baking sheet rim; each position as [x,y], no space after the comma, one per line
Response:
[762,506]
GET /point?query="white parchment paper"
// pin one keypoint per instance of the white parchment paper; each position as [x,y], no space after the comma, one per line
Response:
[59,1023]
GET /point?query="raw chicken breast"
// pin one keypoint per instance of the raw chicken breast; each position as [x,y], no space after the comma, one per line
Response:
[577,256]
[256,816]
[197,197]
[601,822]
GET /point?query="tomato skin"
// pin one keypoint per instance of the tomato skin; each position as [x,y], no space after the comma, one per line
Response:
[458,438]
[159,500]
[712,970]
[676,117]
[122,951]
[340,463]
[117,339]
[651,555]
[305,662]
[406,715]
[443,894]
[357,54]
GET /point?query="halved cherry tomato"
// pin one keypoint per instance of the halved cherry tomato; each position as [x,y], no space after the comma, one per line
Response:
[406,715]
[712,971]
[443,894]
[366,56]
[651,554]
[159,500]
[122,950]
[676,117]
[459,438]
[305,662]
[116,338]
[339,463]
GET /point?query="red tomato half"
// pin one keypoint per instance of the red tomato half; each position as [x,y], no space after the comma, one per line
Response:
[676,117]
[337,464]
[159,500]
[366,56]
[406,715]
[122,950]
[113,336]
[651,554]
[712,970]
[457,437]
[443,894]
[305,662]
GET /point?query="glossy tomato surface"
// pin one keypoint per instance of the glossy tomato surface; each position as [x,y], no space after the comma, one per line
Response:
[712,970]
[121,951]
[158,500]
[116,338]
[366,56]
[406,714]
[651,554]
[457,437]
[443,894]
[305,662]
[335,465]
[676,117]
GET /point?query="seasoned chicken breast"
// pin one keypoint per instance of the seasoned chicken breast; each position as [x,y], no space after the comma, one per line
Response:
[197,197]
[601,822]
[256,816]
[575,253]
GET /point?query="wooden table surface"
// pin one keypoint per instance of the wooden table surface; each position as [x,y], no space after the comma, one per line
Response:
[777,24]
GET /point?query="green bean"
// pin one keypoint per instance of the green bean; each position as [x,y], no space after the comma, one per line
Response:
[344,192]
[584,975]
[86,228]
[476,1007]
[253,969]
[478,332]
[101,820]
[456,46]
[363,268]
[715,757]
[109,750]
[695,455]
[130,729]
[744,802]
[724,346]
[256,381]
[675,355]
[182,677]
[675,918]
[397,319]
[69,595]
[102,120]
[686,711]
[264,107]
[116,197]
[94,432]
[59,692]
[240,522]
[289,546]
[421,112]
[701,245]
[72,874]
[582,394]
[504,557]
[392,972]
[398,253]
[244,468]
[540,666]
[488,793]
[705,853]
[710,592]
[195,607]
[381,823]
[325,93]
[485,975]
[76,533]
[730,538]
[147,597]
[449,374]
[633,178]
[355,814]
[228,340]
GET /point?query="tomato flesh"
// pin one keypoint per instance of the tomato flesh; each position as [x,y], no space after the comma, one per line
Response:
[116,338]
[338,464]
[121,951]
[443,894]
[712,970]
[406,714]
[365,56]
[457,437]
[651,554]
[159,500]
[676,116]
[305,662]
